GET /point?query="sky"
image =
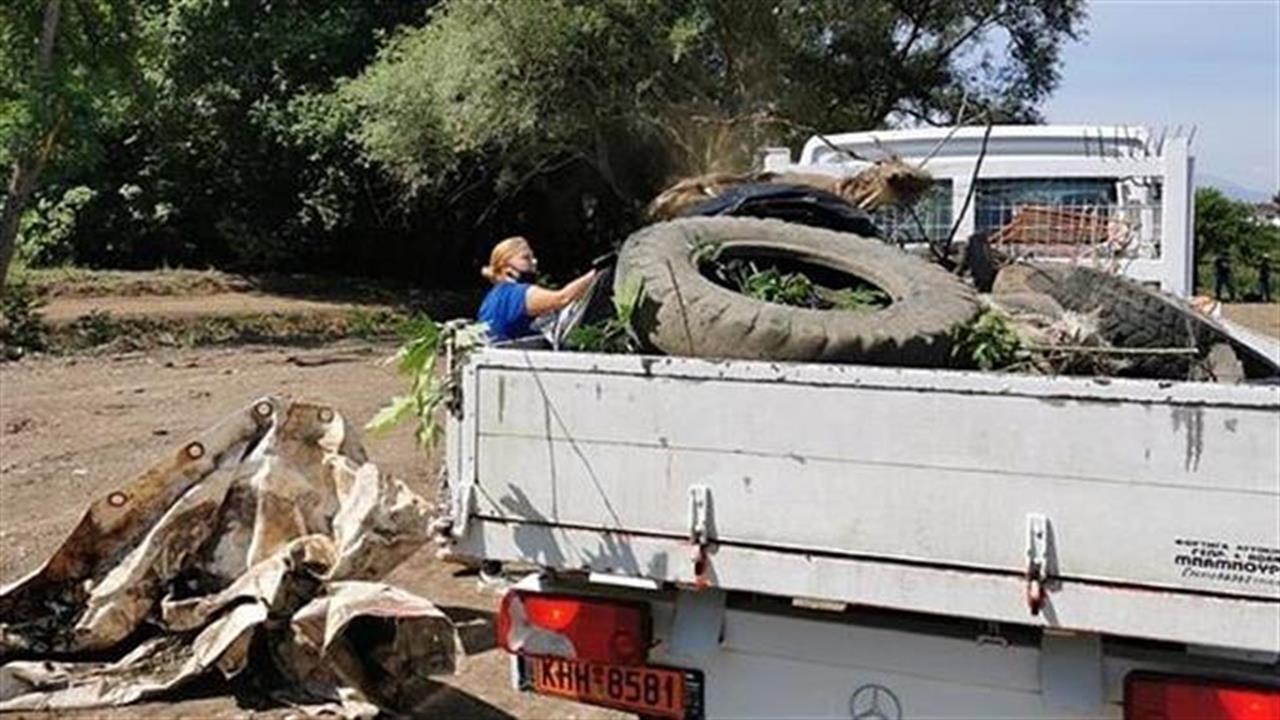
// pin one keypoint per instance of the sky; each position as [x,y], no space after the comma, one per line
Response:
[1211,63]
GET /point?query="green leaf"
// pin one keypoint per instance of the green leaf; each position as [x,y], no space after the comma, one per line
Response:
[391,414]
[413,357]
[429,390]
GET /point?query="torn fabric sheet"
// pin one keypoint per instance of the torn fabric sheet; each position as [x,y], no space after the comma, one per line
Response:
[270,527]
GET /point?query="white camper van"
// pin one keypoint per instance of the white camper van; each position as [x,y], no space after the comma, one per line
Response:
[1120,196]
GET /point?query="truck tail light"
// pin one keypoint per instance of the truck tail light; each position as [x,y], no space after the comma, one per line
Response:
[602,631]
[1166,697]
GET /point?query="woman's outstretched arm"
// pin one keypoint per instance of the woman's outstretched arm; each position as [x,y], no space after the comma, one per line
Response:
[540,300]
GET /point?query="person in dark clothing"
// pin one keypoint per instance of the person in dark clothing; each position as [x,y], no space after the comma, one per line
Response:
[1264,280]
[1222,278]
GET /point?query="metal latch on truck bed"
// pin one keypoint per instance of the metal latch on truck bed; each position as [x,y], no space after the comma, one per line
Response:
[1037,560]
[700,532]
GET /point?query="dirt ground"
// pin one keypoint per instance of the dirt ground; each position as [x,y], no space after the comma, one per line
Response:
[221,304]
[73,427]
[1263,317]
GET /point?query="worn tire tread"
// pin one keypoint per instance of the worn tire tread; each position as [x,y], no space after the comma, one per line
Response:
[928,303]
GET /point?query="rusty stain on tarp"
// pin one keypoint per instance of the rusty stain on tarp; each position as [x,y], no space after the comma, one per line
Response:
[280,515]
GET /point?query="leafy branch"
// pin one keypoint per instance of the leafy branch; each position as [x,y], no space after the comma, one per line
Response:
[989,342]
[429,388]
[613,335]
[771,284]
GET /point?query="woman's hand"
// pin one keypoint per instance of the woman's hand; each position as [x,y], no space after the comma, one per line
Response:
[540,301]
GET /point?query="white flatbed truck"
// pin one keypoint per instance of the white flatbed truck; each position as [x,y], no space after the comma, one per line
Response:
[752,539]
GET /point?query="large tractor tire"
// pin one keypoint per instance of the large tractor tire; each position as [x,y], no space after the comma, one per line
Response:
[1132,315]
[683,312]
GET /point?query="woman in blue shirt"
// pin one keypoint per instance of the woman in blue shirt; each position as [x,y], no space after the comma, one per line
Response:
[515,299]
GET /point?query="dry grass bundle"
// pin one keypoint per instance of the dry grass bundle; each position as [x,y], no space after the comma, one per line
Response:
[693,191]
[885,183]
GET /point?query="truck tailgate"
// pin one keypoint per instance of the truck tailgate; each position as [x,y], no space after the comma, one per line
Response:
[1156,504]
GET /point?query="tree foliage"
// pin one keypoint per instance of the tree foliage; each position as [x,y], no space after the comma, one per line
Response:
[1229,228]
[67,69]
[636,90]
[234,162]
[400,136]
[202,140]
[91,81]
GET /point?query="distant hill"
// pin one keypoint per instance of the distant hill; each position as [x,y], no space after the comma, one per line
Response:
[1232,190]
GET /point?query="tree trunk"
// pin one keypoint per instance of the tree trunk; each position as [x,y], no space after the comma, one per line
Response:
[31,160]
[15,201]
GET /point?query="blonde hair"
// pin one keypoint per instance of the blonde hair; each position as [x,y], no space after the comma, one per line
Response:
[502,255]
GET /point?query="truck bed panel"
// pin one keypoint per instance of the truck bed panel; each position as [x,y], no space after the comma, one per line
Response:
[1149,489]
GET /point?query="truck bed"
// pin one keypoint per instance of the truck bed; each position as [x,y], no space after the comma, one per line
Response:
[1142,508]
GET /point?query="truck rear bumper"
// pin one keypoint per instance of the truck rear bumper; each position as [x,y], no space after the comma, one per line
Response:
[766,660]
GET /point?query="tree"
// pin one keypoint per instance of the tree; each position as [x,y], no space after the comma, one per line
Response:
[1228,228]
[232,161]
[495,94]
[204,138]
[256,171]
[65,65]
[29,161]
[223,133]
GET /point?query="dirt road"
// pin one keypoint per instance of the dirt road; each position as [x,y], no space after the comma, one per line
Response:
[70,428]
[1262,317]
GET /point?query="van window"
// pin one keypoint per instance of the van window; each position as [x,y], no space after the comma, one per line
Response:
[932,217]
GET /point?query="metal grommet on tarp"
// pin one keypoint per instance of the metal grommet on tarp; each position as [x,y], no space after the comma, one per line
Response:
[195,451]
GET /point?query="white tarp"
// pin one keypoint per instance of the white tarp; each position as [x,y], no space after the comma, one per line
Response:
[260,541]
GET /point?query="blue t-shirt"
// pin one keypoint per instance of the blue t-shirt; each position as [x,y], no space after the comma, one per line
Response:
[503,310]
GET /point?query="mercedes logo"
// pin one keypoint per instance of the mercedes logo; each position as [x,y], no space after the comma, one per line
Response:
[874,702]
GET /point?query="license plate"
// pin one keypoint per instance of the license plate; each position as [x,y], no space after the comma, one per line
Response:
[645,690]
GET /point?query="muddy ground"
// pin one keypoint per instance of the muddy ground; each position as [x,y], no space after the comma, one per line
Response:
[73,427]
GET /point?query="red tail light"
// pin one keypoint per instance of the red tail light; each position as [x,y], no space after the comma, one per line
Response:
[1163,697]
[616,633]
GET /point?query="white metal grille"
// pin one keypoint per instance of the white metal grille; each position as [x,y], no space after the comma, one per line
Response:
[1090,219]
[1094,231]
